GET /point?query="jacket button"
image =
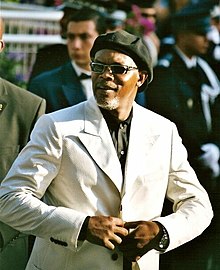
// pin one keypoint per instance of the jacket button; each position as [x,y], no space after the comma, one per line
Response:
[114,256]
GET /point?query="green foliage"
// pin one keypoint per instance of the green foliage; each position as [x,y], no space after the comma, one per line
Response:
[11,68]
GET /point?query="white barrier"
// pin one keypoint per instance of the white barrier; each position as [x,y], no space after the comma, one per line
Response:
[27,30]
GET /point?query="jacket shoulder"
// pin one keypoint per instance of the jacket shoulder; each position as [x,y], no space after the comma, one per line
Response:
[20,95]
[53,48]
[53,76]
[151,116]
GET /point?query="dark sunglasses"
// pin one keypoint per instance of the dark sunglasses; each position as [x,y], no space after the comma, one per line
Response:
[148,15]
[114,69]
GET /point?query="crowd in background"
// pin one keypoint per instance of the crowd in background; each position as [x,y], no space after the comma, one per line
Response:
[177,91]
[150,19]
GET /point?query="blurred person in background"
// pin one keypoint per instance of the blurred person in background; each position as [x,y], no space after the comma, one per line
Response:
[19,111]
[115,20]
[213,54]
[52,56]
[71,83]
[149,11]
[186,90]
[142,21]
[165,9]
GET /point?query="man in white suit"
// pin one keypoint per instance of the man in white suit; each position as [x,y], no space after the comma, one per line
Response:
[92,181]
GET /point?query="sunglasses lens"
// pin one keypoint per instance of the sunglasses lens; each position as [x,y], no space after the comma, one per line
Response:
[116,69]
[97,68]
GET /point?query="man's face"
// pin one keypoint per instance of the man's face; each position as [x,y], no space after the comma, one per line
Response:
[80,38]
[115,91]
[149,13]
[195,43]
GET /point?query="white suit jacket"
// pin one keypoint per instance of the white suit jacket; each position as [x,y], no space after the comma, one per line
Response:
[71,164]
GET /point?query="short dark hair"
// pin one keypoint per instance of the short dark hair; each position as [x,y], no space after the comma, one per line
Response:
[89,14]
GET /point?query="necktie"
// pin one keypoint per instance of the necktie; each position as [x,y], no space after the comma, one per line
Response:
[84,76]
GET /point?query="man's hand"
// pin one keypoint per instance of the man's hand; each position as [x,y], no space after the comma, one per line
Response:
[106,231]
[140,240]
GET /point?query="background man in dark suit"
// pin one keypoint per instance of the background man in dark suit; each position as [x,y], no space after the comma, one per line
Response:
[213,54]
[19,111]
[45,59]
[62,87]
[187,91]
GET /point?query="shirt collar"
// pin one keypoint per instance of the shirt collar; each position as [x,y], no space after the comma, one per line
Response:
[112,122]
[79,70]
[190,63]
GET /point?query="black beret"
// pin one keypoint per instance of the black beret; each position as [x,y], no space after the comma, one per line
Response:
[128,44]
[193,18]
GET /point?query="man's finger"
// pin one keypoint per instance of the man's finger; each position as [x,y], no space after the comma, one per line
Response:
[108,244]
[120,231]
[131,225]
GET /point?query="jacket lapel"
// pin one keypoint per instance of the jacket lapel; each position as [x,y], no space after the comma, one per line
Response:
[71,86]
[97,139]
[141,141]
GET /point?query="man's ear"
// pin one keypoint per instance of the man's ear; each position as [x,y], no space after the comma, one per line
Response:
[142,78]
[2,45]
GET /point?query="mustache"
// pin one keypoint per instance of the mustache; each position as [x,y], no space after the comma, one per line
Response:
[106,86]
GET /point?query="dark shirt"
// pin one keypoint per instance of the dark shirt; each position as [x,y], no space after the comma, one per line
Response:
[120,131]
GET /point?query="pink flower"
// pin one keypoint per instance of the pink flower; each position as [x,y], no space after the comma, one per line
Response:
[138,24]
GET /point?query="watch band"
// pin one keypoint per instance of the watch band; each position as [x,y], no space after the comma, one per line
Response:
[163,241]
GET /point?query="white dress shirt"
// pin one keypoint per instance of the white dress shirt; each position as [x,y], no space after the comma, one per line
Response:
[87,83]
